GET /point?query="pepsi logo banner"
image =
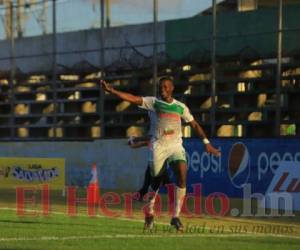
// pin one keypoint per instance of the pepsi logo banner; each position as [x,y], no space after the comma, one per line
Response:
[238,164]
[243,162]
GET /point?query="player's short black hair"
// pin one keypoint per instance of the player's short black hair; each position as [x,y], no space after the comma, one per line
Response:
[166,78]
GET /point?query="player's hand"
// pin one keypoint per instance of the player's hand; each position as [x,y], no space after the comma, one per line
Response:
[131,140]
[136,142]
[210,149]
[105,86]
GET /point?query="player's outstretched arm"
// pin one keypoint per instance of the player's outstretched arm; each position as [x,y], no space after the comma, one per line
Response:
[201,134]
[137,100]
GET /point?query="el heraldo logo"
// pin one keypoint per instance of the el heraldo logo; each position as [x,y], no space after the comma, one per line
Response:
[239,165]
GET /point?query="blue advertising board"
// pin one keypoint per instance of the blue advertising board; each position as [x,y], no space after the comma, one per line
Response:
[243,161]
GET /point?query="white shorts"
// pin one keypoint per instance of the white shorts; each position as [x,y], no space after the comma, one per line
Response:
[160,153]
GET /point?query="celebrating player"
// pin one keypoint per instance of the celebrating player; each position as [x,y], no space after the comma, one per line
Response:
[167,140]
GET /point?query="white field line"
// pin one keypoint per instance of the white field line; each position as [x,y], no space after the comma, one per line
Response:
[134,236]
[271,223]
[83,215]
[192,235]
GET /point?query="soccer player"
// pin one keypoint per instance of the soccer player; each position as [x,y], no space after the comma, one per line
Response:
[167,140]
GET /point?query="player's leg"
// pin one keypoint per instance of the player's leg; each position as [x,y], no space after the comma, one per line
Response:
[179,165]
[157,163]
[180,170]
[165,178]
[146,183]
[149,213]
[147,178]
[156,182]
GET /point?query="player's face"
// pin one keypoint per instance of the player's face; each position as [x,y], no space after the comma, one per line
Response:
[166,88]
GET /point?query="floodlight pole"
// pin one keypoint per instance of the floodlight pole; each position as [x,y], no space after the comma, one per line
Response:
[108,11]
[279,68]
[213,69]
[155,10]
[54,64]
[12,69]
[102,63]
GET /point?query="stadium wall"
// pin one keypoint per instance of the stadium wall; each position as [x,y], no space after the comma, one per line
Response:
[80,50]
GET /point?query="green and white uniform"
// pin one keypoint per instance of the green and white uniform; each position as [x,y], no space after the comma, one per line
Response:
[167,137]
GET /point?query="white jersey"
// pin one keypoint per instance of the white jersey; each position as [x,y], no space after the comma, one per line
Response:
[168,119]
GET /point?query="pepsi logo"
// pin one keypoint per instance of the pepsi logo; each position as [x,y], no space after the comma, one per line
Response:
[239,165]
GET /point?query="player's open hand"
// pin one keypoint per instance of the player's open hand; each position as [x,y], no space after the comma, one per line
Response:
[105,86]
[210,149]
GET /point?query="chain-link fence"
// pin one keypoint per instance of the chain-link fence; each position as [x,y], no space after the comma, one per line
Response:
[235,63]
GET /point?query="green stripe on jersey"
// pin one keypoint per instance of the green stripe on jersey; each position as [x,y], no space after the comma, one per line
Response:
[168,108]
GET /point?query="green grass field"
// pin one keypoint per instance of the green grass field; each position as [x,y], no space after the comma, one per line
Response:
[59,231]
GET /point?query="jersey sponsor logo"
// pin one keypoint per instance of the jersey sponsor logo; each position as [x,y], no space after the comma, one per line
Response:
[169,115]
[168,132]
[239,165]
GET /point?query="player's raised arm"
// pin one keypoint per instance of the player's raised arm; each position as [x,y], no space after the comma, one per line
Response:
[200,133]
[137,100]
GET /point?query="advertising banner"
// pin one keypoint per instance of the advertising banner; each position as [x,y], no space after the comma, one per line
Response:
[243,162]
[32,171]
[285,185]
